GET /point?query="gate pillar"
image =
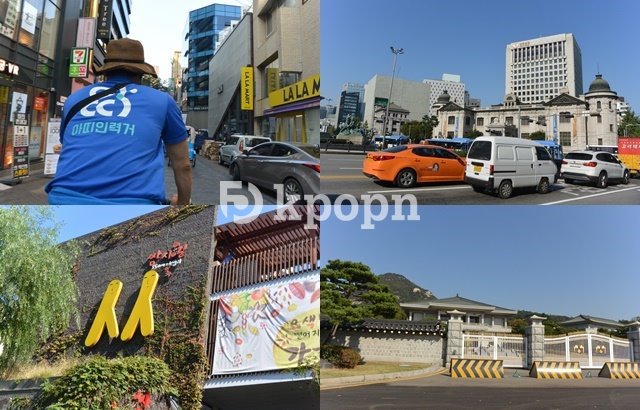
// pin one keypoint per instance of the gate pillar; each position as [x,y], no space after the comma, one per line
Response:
[534,334]
[634,340]
[454,336]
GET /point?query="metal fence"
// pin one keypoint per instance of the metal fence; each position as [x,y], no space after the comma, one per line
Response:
[510,349]
[590,350]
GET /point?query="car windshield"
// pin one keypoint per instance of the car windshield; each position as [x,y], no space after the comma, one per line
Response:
[480,150]
[582,156]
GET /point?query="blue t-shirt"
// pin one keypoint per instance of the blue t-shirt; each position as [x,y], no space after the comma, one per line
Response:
[112,148]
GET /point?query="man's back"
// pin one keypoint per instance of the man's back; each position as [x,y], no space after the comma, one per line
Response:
[112,148]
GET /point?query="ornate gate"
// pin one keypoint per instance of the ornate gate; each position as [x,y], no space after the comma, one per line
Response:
[510,349]
[591,350]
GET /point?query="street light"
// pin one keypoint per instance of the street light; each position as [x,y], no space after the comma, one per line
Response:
[395,52]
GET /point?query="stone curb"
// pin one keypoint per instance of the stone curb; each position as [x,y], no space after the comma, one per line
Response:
[369,378]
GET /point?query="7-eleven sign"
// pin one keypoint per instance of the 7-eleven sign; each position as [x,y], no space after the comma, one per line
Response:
[79,62]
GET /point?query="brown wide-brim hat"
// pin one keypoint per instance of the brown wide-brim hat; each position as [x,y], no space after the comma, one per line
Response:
[125,54]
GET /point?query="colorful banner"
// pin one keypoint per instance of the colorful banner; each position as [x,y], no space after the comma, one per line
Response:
[246,88]
[79,62]
[269,328]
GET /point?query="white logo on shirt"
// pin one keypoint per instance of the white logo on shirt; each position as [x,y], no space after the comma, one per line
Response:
[105,106]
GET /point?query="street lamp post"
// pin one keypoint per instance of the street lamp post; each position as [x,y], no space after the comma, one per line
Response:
[395,52]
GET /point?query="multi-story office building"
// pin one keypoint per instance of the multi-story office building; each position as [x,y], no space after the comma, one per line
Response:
[540,69]
[355,88]
[349,104]
[286,40]
[36,38]
[201,36]
[451,84]
[411,96]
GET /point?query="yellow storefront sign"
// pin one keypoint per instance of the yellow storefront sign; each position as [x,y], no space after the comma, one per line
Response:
[299,91]
[273,79]
[246,88]
[142,312]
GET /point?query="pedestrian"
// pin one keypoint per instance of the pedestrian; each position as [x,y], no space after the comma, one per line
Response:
[113,134]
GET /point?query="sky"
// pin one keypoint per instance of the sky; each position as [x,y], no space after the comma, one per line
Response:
[469,38]
[561,260]
[76,221]
[159,26]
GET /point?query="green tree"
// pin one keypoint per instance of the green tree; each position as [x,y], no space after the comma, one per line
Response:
[350,292]
[37,291]
[537,136]
[472,134]
[630,123]
[416,130]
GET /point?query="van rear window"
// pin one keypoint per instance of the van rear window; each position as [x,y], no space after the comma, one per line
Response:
[480,150]
[582,156]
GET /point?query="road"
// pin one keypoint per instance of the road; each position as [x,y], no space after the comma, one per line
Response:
[342,174]
[444,392]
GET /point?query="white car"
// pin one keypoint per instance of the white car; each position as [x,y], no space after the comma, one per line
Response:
[237,143]
[596,167]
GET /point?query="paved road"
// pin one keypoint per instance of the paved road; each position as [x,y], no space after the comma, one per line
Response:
[342,174]
[444,392]
[207,176]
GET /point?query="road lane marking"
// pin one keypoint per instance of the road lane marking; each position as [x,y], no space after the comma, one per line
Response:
[391,191]
[339,177]
[590,196]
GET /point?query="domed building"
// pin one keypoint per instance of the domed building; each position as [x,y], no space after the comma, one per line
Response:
[574,122]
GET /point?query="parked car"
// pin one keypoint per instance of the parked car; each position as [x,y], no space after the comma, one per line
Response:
[296,167]
[406,165]
[237,143]
[596,167]
[201,136]
[500,164]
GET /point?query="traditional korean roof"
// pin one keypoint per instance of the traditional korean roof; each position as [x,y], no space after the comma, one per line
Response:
[460,303]
[584,319]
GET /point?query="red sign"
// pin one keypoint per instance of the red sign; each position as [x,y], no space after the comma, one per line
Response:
[39,103]
[167,259]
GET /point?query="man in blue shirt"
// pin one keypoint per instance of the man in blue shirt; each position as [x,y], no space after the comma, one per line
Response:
[112,148]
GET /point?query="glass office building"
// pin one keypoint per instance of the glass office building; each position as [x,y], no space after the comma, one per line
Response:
[202,33]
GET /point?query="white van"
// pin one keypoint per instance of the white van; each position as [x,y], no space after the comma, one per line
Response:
[500,164]
[237,143]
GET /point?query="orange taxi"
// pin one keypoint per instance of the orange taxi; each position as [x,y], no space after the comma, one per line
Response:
[406,165]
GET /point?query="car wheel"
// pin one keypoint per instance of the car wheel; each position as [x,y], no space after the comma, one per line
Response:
[235,172]
[406,178]
[543,186]
[602,180]
[626,177]
[292,190]
[505,189]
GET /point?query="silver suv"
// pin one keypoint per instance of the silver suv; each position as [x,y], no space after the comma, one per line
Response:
[237,143]
[596,167]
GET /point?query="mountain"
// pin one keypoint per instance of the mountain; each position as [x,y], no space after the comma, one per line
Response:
[406,290]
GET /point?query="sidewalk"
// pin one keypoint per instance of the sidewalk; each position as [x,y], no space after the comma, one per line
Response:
[27,191]
[338,382]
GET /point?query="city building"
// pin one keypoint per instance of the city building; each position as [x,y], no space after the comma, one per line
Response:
[226,115]
[175,82]
[540,69]
[36,38]
[623,108]
[476,316]
[574,122]
[450,83]
[286,37]
[348,108]
[354,88]
[201,35]
[397,117]
[412,96]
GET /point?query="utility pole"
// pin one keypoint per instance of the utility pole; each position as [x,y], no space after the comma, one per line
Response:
[395,52]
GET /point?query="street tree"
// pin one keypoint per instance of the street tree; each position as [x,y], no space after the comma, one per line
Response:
[37,292]
[630,123]
[537,136]
[350,292]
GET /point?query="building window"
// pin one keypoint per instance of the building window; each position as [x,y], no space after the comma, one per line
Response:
[451,120]
[598,105]
[599,119]
[467,121]
[480,122]
[49,30]
[564,119]
[508,121]
[269,23]
[565,139]
[609,104]
[610,127]
[9,12]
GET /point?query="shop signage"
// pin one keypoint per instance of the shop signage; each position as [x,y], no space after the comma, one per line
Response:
[273,79]
[246,88]
[7,67]
[20,168]
[301,90]
[141,314]
[79,62]
[167,260]
[86,36]
[53,148]
[105,12]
